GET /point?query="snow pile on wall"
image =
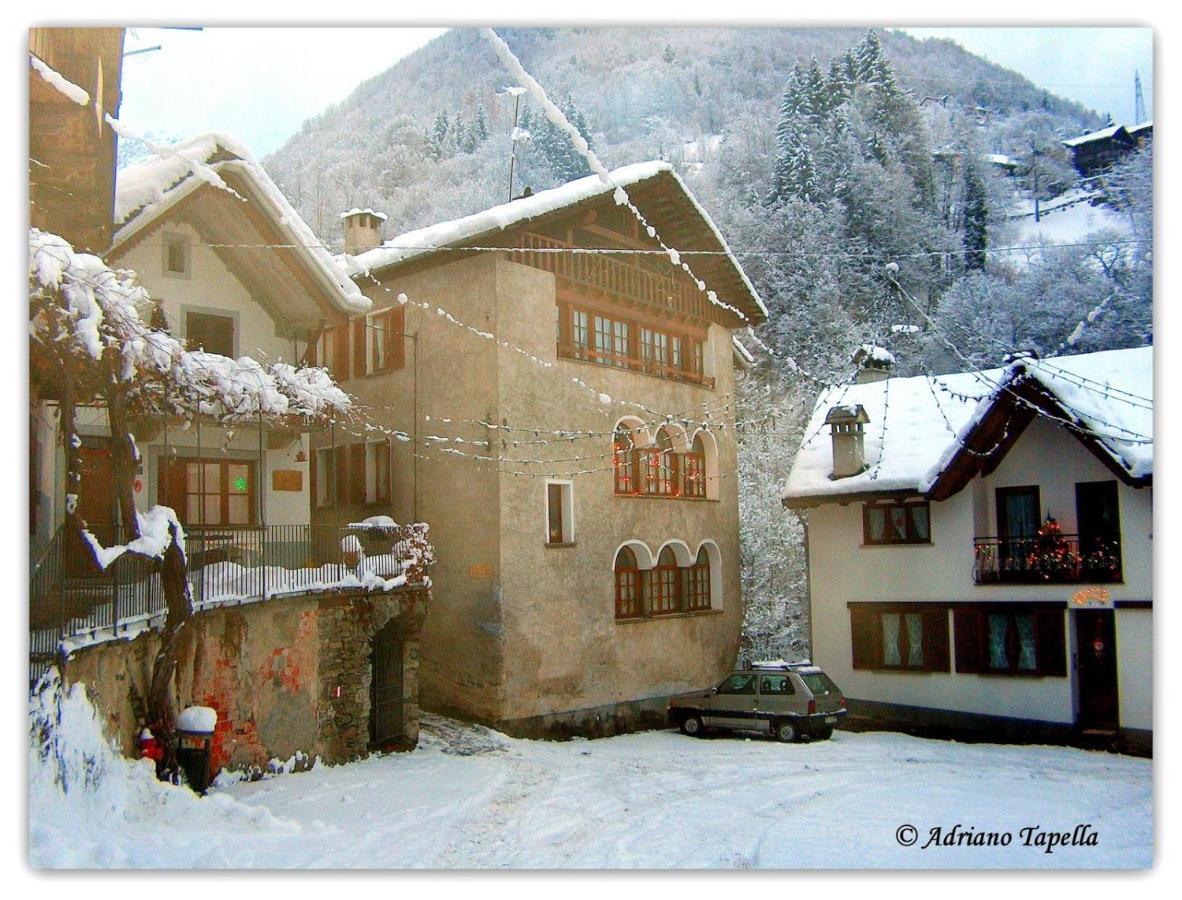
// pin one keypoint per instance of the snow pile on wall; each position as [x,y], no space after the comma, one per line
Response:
[89,807]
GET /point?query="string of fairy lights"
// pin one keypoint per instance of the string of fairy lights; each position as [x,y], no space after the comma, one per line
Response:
[658,420]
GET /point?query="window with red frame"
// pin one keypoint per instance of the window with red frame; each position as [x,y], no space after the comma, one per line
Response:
[693,470]
[660,468]
[624,462]
[665,585]
[697,590]
[627,585]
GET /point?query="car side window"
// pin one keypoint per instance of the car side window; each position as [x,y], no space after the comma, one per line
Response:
[776,684]
[738,684]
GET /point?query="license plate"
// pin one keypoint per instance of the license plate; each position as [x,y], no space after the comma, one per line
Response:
[829,720]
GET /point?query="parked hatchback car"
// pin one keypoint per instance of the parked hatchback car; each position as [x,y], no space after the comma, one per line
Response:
[785,700]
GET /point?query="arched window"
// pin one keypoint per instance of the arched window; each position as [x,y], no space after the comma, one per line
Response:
[665,585]
[660,467]
[625,461]
[693,470]
[697,591]
[627,585]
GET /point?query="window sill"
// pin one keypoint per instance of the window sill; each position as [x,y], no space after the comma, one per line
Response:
[677,615]
[665,497]
[563,545]
[865,546]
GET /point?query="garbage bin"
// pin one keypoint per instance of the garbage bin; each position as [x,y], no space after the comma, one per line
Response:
[194,742]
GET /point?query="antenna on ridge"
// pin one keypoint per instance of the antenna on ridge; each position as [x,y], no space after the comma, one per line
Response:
[516,135]
[1139,114]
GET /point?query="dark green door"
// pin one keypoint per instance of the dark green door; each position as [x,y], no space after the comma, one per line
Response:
[385,689]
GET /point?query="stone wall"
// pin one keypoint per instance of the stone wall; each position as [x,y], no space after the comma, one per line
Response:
[289,675]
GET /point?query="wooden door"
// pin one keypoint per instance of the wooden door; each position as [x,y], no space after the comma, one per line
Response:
[386,723]
[1095,633]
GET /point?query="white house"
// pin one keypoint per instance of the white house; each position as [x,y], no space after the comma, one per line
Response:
[980,545]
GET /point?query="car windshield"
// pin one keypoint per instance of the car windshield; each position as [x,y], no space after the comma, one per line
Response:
[819,683]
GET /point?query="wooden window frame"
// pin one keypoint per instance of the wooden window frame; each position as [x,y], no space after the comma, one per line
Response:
[625,465]
[384,341]
[693,473]
[176,493]
[629,598]
[563,490]
[228,316]
[697,584]
[866,637]
[664,594]
[601,335]
[1049,634]
[377,460]
[911,537]
[330,350]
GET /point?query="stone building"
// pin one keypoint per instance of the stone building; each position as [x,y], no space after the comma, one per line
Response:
[569,435]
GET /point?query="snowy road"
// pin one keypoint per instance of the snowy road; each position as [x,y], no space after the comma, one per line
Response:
[471,798]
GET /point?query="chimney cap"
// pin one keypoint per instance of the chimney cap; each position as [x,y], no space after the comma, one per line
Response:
[871,356]
[367,211]
[846,414]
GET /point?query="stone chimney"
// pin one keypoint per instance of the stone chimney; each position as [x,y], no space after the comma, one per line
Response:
[849,439]
[363,230]
[874,364]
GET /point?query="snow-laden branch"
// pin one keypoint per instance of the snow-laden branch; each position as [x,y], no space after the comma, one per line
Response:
[81,308]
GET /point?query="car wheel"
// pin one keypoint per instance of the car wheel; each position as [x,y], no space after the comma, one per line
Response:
[823,734]
[786,731]
[692,725]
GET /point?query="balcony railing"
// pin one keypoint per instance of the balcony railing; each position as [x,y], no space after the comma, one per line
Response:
[70,597]
[1045,560]
[601,273]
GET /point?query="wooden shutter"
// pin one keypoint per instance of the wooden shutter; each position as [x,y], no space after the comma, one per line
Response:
[170,485]
[396,338]
[864,637]
[966,626]
[359,347]
[935,640]
[313,458]
[310,356]
[1051,642]
[341,469]
[357,473]
[340,360]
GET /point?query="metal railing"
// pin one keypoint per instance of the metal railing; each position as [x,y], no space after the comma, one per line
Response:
[1040,559]
[71,597]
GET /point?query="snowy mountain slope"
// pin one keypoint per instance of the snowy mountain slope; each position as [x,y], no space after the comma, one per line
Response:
[645,92]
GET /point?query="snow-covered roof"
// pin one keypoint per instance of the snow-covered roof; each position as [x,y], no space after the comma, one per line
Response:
[1102,134]
[147,190]
[427,240]
[1000,159]
[918,425]
[1140,126]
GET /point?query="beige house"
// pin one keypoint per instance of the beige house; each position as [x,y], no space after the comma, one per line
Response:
[563,420]
[980,546]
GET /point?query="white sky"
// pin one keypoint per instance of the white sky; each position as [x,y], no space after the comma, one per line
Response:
[1092,65]
[260,84]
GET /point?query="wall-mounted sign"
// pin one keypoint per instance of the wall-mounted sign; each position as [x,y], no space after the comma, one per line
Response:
[287,480]
[480,571]
[137,485]
[1092,597]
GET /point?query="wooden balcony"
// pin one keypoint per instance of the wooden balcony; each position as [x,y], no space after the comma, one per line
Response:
[597,273]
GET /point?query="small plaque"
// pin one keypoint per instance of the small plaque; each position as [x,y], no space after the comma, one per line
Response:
[481,571]
[287,480]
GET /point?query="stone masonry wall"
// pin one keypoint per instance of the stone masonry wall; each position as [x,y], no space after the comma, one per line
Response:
[287,675]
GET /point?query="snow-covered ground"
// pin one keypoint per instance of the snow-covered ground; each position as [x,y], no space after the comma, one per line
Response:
[472,798]
[1067,219]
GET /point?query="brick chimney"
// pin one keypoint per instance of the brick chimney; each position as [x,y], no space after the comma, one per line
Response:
[363,230]
[849,439]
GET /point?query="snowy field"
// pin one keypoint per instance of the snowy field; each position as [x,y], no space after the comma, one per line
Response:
[472,798]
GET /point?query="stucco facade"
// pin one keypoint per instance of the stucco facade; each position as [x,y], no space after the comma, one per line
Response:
[523,633]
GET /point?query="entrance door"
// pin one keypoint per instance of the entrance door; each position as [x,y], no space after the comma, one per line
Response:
[385,688]
[1095,634]
[96,507]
